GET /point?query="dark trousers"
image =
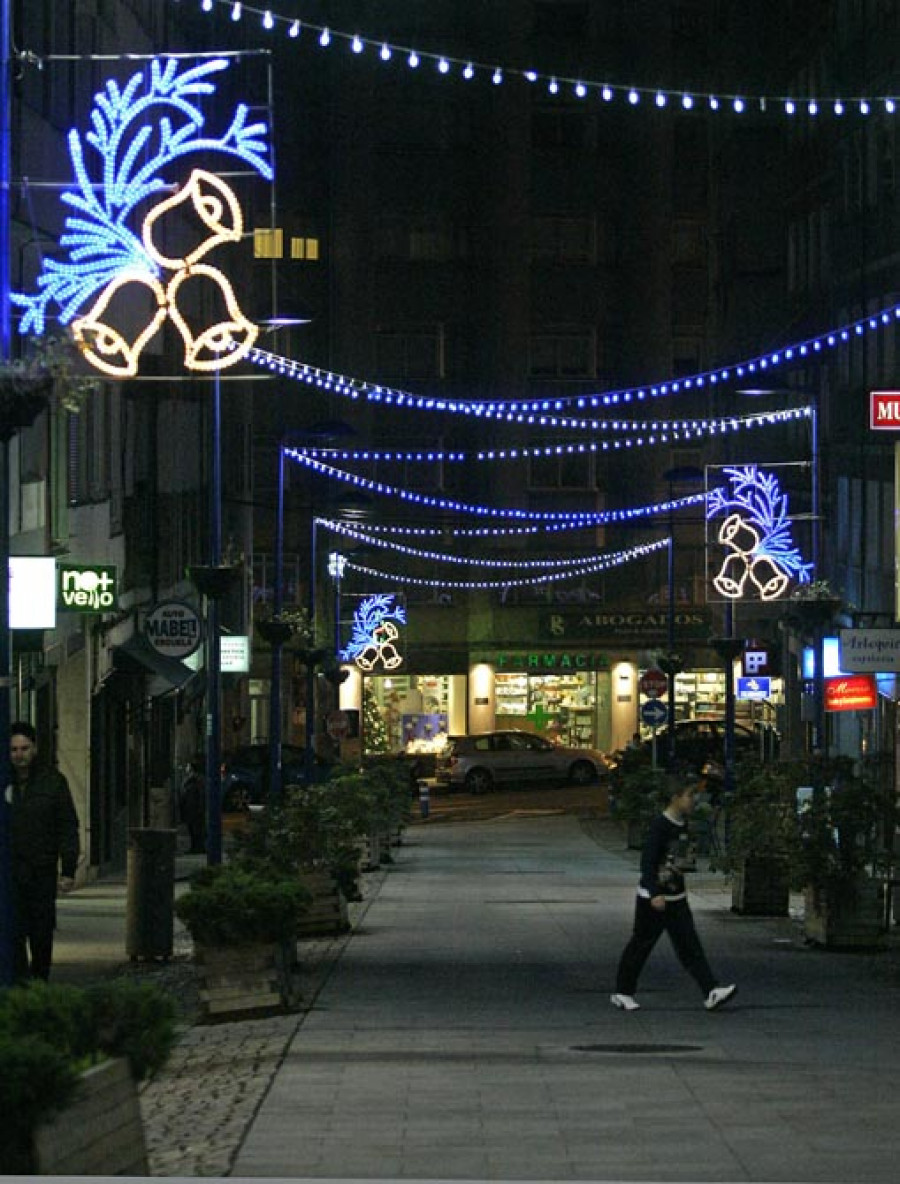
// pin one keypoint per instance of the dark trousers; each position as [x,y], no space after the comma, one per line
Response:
[675,919]
[34,902]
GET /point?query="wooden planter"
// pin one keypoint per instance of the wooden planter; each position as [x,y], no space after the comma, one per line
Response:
[845,917]
[328,912]
[100,1133]
[761,888]
[248,979]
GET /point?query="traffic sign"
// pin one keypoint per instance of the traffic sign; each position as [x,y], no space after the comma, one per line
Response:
[654,683]
[754,688]
[654,713]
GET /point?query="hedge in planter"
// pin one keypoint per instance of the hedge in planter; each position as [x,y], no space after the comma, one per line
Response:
[637,794]
[50,1037]
[759,839]
[842,827]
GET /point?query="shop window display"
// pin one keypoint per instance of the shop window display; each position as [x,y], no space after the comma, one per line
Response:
[414,711]
[562,707]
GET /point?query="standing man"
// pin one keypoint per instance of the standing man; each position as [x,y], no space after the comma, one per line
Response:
[662,906]
[44,849]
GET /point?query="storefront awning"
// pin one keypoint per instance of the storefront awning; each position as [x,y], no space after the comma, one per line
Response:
[137,656]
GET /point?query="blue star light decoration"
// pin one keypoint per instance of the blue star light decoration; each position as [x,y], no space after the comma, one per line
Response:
[137,133]
[756,535]
[375,632]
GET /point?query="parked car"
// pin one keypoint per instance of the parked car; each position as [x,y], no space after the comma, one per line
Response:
[245,774]
[701,742]
[478,763]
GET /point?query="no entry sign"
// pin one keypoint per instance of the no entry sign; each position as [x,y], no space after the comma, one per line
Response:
[654,683]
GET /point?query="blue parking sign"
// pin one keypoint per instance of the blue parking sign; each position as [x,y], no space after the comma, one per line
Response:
[754,688]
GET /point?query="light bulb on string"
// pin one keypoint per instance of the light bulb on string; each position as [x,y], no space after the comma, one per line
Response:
[268,20]
[356,44]
[325,38]
[236,11]
[294,30]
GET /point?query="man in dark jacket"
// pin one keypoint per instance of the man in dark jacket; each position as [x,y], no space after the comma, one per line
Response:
[662,907]
[44,848]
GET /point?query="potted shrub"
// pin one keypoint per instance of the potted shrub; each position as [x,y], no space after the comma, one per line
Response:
[244,922]
[844,815]
[637,794]
[70,1062]
[760,839]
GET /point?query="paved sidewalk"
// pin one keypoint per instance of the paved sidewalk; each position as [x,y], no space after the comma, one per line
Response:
[463,1031]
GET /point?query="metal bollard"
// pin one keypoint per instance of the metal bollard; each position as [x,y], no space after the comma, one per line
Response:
[424,799]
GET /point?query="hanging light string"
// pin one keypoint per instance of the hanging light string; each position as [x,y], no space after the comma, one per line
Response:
[604,563]
[605,91]
[524,410]
[659,431]
[585,518]
[361,536]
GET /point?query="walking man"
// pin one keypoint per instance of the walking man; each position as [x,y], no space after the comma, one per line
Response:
[44,848]
[662,906]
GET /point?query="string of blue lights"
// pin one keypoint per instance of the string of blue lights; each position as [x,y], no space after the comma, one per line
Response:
[584,518]
[632,96]
[541,412]
[551,575]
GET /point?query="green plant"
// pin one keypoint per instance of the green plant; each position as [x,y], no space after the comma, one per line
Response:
[759,819]
[841,823]
[49,1033]
[133,1020]
[36,1081]
[637,791]
[234,905]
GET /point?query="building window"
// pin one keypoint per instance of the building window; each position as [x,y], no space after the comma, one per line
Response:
[564,354]
[306,249]
[268,242]
[411,355]
[567,471]
[563,240]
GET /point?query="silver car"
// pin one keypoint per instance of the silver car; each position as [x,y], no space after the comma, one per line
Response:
[478,763]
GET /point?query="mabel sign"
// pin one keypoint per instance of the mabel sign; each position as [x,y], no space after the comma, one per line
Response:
[851,692]
[173,629]
[90,589]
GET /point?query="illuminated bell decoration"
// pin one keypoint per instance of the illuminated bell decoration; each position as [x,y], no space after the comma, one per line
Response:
[756,534]
[375,632]
[216,346]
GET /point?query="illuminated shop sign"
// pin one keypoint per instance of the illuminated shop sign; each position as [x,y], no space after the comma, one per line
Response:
[752,555]
[87,589]
[550,662]
[624,624]
[373,644]
[32,592]
[119,269]
[851,692]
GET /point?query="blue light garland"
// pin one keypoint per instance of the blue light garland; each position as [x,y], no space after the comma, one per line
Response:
[634,97]
[585,518]
[661,433]
[554,575]
[361,536]
[542,412]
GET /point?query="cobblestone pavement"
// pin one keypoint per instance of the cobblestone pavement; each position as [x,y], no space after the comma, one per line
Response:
[197,1110]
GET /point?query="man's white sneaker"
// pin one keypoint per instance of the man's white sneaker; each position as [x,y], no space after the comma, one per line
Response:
[625,1002]
[719,996]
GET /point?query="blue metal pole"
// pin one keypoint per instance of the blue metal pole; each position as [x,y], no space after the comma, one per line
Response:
[275,777]
[213,646]
[7,942]
[310,754]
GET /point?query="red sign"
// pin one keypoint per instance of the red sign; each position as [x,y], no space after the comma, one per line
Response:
[851,692]
[884,411]
[654,683]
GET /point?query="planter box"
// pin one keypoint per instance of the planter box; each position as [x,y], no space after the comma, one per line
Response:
[100,1133]
[845,918]
[761,888]
[328,912]
[239,980]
